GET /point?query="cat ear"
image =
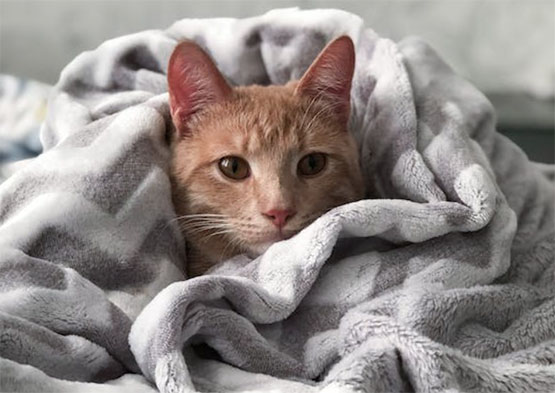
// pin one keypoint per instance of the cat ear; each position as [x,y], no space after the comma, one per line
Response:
[330,75]
[194,81]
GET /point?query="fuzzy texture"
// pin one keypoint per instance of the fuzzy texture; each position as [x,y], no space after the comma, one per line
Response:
[271,128]
[445,283]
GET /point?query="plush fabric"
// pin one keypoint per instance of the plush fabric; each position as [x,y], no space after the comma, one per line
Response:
[441,281]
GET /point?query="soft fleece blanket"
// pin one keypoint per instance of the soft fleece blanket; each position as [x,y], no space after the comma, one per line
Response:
[442,281]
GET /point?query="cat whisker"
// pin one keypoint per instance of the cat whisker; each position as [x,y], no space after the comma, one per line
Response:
[203,215]
[201,218]
[310,104]
[197,225]
[199,229]
[322,111]
[191,225]
[202,222]
[234,244]
[312,101]
[196,229]
[222,232]
[196,218]
[185,221]
[277,130]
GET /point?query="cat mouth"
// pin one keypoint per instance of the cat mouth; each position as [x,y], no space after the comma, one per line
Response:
[283,234]
[261,245]
[287,234]
[277,234]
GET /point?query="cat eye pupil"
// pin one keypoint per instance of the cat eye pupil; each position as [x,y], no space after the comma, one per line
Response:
[312,164]
[234,167]
[311,161]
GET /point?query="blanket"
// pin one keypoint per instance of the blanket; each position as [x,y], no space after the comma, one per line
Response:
[442,280]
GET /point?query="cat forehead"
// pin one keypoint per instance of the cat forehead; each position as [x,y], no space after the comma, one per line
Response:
[268,118]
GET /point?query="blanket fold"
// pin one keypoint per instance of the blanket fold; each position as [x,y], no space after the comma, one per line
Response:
[443,280]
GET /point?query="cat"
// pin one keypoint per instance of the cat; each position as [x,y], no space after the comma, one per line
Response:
[253,165]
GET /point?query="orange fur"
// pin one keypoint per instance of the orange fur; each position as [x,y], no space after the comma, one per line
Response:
[271,128]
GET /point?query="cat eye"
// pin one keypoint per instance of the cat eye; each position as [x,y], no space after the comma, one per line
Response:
[234,167]
[312,164]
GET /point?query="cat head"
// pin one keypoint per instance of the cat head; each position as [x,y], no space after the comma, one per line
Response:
[254,165]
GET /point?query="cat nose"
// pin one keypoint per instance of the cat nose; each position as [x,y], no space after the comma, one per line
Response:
[279,216]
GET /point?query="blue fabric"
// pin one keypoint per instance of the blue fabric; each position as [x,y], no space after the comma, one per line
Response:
[22,111]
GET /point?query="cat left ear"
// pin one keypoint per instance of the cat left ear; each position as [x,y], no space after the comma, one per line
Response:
[330,76]
[193,81]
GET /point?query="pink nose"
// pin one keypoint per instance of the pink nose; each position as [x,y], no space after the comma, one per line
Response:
[279,216]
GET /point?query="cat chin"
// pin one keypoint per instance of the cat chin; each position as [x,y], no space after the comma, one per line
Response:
[258,249]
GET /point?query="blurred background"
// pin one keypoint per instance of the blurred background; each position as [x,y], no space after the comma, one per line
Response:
[506,48]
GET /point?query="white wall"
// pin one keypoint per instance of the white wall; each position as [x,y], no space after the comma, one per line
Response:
[502,46]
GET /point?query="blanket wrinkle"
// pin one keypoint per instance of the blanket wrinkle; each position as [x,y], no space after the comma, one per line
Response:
[442,281]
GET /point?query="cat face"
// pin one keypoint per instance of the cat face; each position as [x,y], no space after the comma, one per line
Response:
[255,165]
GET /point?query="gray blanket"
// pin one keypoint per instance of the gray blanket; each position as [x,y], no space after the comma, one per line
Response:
[442,281]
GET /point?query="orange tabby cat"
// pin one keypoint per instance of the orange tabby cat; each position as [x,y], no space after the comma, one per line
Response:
[254,165]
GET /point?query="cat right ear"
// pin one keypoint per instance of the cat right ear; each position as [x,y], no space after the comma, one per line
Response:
[193,81]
